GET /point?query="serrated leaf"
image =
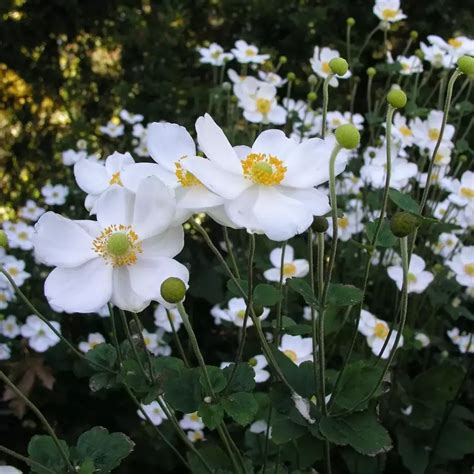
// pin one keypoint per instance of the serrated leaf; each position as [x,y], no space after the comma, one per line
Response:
[103,354]
[241,406]
[43,450]
[216,376]
[183,391]
[361,431]
[212,414]
[403,201]
[304,289]
[344,295]
[266,295]
[243,379]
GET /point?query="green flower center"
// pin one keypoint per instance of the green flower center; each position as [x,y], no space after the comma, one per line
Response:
[118,244]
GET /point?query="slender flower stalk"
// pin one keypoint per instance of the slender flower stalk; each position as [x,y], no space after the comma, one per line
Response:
[278,326]
[230,251]
[325,103]
[177,340]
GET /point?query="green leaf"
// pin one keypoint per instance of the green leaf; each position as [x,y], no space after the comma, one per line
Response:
[131,375]
[103,354]
[357,382]
[344,295]
[87,467]
[105,449]
[241,406]
[284,430]
[184,390]
[361,431]
[385,237]
[403,201]
[102,381]
[456,440]
[413,453]
[43,450]
[232,287]
[304,289]
[211,414]
[266,295]
[216,376]
[214,456]
[243,379]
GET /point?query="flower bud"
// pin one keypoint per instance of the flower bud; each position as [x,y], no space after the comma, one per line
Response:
[320,224]
[414,35]
[312,96]
[462,158]
[291,76]
[419,54]
[227,86]
[347,136]
[312,80]
[397,98]
[3,239]
[234,99]
[371,71]
[173,290]
[283,59]
[338,66]
[350,21]
[403,223]
[466,65]
[258,310]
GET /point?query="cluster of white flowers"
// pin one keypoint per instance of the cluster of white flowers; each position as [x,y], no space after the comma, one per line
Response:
[464,340]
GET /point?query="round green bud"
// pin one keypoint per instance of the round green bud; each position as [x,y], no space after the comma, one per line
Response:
[338,66]
[347,136]
[438,268]
[466,64]
[3,239]
[283,59]
[397,98]
[320,224]
[312,96]
[312,80]
[419,54]
[118,244]
[414,35]
[291,76]
[371,71]
[350,21]
[227,86]
[403,223]
[234,99]
[173,290]
[462,158]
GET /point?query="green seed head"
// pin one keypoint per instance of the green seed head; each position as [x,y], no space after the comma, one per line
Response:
[350,21]
[312,80]
[371,71]
[320,224]
[338,66]
[118,244]
[173,290]
[347,136]
[291,76]
[466,65]
[414,35]
[397,98]
[403,224]
[3,239]
[312,96]
[419,53]
[283,59]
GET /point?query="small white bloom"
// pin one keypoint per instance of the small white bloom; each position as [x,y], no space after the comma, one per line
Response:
[455,47]
[132,119]
[462,191]
[163,316]
[259,426]
[31,211]
[9,327]
[410,65]
[298,349]
[6,294]
[348,225]
[436,56]
[194,436]
[272,78]
[426,132]
[154,412]
[93,340]
[5,352]
[291,267]
[418,278]
[248,53]
[16,269]
[388,11]
[320,64]
[423,339]
[191,421]
[40,336]
[258,364]
[401,131]
[214,55]
[235,312]
[70,157]
[336,119]
[260,105]
[20,236]
[446,244]
[112,129]
[55,195]
[462,264]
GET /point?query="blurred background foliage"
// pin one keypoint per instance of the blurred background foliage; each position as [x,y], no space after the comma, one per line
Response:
[67,66]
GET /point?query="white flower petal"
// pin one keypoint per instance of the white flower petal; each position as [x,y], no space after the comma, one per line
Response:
[91,176]
[273,142]
[167,244]
[115,206]
[116,162]
[132,176]
[123,296]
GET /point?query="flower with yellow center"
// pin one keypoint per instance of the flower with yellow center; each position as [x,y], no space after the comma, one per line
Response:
[263,169]
[462,264]
[405,131]
[298,349]
[235,312]
[115,179]
[418,278]
[388,11]
[455,42]
[248,53]
[389,14]
[291,267]
[469,269]
[185,178]
[434,133]
[381,330]
[320,64]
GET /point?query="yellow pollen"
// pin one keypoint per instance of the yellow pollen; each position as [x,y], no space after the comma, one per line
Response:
[454,42]
[3,297]
[289,269]
[215,55]
[241,314]
[467,193]
[433,133]
[13,271]
[115,179]
[263,106]
[389,13]
[405,131]
[381,330]
[325,67]
[263,169]
[343,222]
[100,245]
[291,355]
[186,178]
[250,52]
[194,416]
[23,236]
[438,158]
[411,278]
[469,269]
[252,362]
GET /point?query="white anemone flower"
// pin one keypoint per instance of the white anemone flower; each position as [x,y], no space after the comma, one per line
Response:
[70,157]
[5,354]
[446,244]
[93,340]
[291,267]
[260,106]
[40,336]
[248,53]
[418,277]
[55,195]
[31,211]
[6,295]
[455,47]
[401,131]
[376,331]
[320,64]
[272,78]
[154,411]
[422,339]
[348,225]
[130,118]
[297,348]
[163,321]
[214,54]
[123,258]
[462,264]
[112,129]
[462,191]
[195,435]
[388,11]
[335,119]
[270,187]
[235,313]
[436,56]
[9,327]
[258,364]
[191,421]
[426,132]
[16,269]
[20,235]
[410,65]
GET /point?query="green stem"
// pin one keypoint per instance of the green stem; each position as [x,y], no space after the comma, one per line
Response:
[230,251]
[279,321]
[142,340]
[177,340]
[114,333]
[41,417]
[28,461]
[325,103]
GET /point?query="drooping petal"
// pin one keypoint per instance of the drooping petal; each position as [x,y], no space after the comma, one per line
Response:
[154,208]
[61,242]
[167,244]
[222,182]
[219,215]
[197,197]
[91,176]
[123,295]
[132,176]
[83,289]
[115,206]
[168,142]
[215,145]
[316,201]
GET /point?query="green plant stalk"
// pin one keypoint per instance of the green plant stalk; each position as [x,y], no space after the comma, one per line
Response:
[325,103]
[147,352]
[230,251]
[279,322]
[114,333]
[41,417]
[366,42]
[27,461]
[348,43]
[181,350]
[314,333]
[46,321]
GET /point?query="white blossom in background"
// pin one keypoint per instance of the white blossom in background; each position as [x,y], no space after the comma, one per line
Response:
[214,54]
[297,348]
[401,131]
[31,211]
[154,412]
[446,244]
[9,327]
[388,11]
[418,278]
[455,47]
[272,78]
[40,336]
[427,132]
[335,119]
[259,364]
[6,295]
[162,320]
[112,129]
[320,64]
[410,65]
[235,313]
[16,269]
[462,191]
[20,235]
[194,436]
[55,195]
[291,267]
[261,106]
[5,351]
[191,421]
[248,53]
[260,426]
[130,118]
[349,224]
[436,56]
[71,157]
[462,264]
[93,340]
[423,339]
